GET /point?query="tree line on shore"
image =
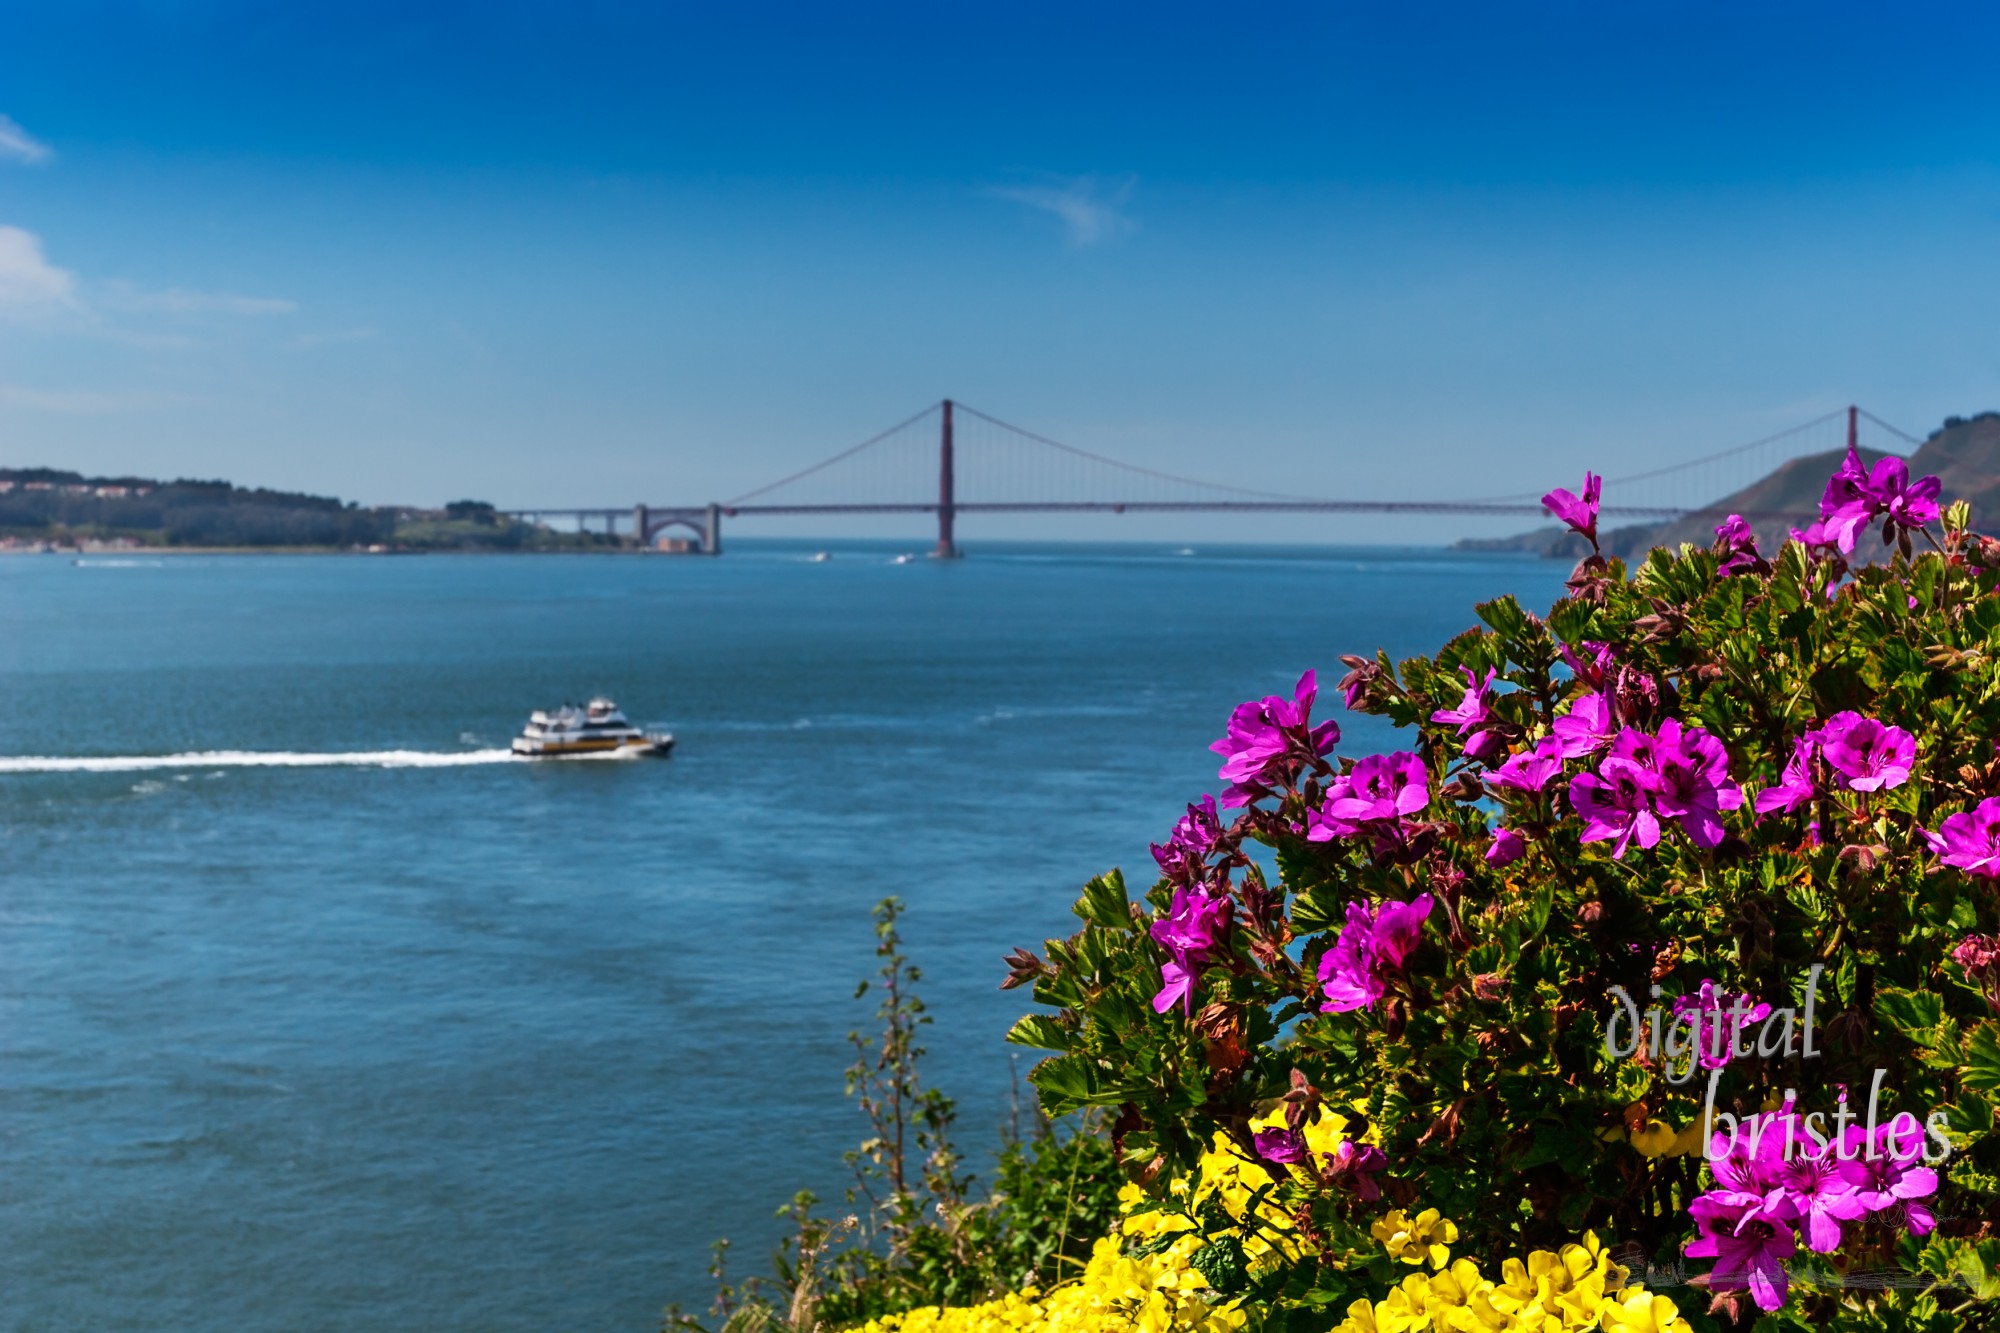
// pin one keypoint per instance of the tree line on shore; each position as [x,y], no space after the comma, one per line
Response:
[51,505]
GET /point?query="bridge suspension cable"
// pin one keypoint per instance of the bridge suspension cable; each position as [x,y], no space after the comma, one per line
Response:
[1134,468]
[840,457]
[1701,482]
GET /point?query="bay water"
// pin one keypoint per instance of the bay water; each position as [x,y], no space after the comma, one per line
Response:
[319,1012]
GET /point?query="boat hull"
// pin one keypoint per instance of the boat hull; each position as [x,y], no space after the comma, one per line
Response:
[631,747]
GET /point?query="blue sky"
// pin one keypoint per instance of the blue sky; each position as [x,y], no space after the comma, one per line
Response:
[591,254]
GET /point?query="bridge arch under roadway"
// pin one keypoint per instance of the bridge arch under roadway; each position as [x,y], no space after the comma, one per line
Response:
[705,525]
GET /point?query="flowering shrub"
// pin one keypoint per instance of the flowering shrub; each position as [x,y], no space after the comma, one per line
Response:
[1756,796]
[1165,1271]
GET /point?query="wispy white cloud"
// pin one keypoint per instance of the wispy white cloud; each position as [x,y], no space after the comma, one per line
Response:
[1090,208]
[29,283]
[16,144]
[35,290]
[185,301]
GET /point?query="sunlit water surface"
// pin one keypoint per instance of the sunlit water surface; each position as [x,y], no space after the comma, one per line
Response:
[356,1024]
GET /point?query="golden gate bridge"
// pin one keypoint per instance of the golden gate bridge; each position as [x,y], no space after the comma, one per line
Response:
[951,459]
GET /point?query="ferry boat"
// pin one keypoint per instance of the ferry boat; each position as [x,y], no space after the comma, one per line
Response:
[598,728]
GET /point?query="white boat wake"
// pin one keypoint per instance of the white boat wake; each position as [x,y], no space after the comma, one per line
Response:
[139,763]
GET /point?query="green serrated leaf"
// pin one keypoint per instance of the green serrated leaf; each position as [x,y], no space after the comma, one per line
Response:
[1536,919]
[1982,1059]
[1105,902]
[1913,1013]
[1040,1031]
[1315,912]
[1066,1083]
[1971,1114]
[1573,621]
[1505,615]
[1979,1264]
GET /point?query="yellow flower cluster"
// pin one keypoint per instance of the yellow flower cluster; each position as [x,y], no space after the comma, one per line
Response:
[1413,1240]
[1157,1293]
[1232,1181]
[1563,1291]
[1153,1293]
[1658,1138]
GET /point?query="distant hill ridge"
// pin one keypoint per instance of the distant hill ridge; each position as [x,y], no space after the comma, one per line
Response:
[41,505]
[1963,453]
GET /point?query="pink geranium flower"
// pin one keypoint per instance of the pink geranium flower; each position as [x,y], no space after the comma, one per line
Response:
[1281,1145]
[1268,738]
[1185,852]
[1355,1165]
[1194,932]
[1795,787]
[1591,666]
[1579,511]
[1866,754]
[1587,727]
[1694,787]
[1749,1237]
[1354,973]
[1909,504]
[1821,1194]
[1846,505]
[1970,840]
[1506,847]
[1887,1175]
[1529,770]
[1617,807]
[1472,709]
[1739,546]
[1374,798]
[1979,955]
[1854,496]
[1819,537]
[1748,1162]
[1715,1032]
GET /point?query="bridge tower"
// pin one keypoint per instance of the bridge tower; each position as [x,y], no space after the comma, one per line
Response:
[947,505]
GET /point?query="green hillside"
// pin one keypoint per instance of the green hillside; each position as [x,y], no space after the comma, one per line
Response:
[50,506]
[1964,454]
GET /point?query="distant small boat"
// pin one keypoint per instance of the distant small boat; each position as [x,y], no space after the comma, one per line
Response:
[821,557]
[598,728]
[904,559]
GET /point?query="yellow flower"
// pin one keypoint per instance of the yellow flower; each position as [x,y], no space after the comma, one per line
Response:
[1408,1306]
[1360,1319]
[1479,1315]
[1694,1138]
[1413,1240]
[1641,1312]
[1559,1290]
[1654,1138]
[1458,1284]
[1324,1134]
